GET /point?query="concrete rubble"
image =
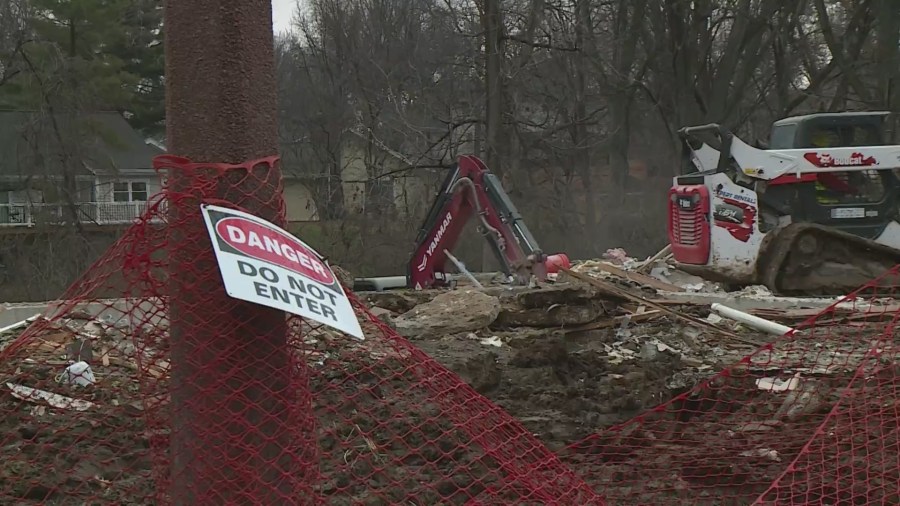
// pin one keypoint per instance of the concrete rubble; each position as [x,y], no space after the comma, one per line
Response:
[572,356]
[589,350]
[631,312]
[449,313]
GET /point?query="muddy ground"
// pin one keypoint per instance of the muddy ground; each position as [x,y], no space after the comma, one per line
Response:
[560,387]
[396,428]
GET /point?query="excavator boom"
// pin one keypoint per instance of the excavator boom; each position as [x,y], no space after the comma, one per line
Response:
[471,191]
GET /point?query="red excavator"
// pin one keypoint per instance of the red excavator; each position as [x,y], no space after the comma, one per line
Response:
[470,191]
[813,213]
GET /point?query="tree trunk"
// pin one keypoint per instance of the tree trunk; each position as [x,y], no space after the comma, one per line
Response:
[493,47]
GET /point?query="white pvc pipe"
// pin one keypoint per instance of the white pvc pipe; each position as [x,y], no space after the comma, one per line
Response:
[22,323]
[750,320]
[463,270]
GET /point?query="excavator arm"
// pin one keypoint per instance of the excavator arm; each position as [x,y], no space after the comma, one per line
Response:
[471,191]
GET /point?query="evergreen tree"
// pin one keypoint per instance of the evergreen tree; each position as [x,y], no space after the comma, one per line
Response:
[93,55]
[141,52]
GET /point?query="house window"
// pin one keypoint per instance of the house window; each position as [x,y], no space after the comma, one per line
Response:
[133,191]
[139,191]
[121,192]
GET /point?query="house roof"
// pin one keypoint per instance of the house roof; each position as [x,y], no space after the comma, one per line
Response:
[38,143]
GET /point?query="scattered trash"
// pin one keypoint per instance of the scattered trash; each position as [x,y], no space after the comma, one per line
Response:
[54,400]
[778,385]
[492,341]
[79,373]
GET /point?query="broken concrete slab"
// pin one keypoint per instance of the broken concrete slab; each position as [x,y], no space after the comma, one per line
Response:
[449,313]
[563,293]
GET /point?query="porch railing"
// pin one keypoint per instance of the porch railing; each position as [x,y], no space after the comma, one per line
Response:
[99,213]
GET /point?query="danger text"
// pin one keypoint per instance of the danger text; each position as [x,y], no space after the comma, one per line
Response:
[270,245]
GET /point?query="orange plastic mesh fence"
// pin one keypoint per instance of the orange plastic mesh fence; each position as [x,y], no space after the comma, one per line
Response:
[147,384]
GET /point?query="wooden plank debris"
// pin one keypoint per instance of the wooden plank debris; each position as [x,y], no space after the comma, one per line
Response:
[609,287]
[661,254]
[636,277]
[55,400]
[616,321]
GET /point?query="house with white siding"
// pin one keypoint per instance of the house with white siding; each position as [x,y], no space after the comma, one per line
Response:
[95,168]
[56,166]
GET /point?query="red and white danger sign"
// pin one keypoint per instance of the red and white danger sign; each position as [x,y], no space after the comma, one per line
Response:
[263,263]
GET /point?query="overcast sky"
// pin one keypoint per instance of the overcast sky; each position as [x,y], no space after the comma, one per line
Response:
[282,12]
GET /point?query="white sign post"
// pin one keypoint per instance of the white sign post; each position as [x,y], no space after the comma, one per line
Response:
[263,263]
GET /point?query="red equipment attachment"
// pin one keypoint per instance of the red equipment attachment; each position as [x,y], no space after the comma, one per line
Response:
[471,190]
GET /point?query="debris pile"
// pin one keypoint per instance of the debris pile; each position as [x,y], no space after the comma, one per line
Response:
[600,345]
[604,341]
[77,376]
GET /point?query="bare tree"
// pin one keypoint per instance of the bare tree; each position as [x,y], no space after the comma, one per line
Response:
[888,59]
[385,69]
[566,98]
[13,37]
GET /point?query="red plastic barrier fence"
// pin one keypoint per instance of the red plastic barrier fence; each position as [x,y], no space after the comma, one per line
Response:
[811,418]
[148,385]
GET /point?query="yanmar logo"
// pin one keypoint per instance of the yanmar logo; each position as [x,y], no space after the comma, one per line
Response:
[435,241]
[825,160]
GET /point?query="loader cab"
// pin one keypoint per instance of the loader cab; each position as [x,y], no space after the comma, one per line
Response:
[829,130]
[873,192]
[860,200]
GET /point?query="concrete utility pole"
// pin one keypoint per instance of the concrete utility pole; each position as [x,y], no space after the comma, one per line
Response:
[232,412]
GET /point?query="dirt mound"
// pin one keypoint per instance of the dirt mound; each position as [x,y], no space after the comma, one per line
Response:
[560,390]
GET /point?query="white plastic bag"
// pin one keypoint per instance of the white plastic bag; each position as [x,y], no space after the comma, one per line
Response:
[79,373]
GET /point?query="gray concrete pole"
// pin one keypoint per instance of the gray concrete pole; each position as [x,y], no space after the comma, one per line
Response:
[232,407]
